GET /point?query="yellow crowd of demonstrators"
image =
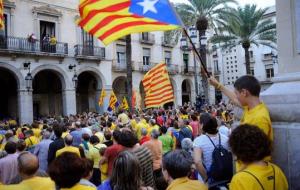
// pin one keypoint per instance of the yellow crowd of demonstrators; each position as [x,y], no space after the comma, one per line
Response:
[163,149]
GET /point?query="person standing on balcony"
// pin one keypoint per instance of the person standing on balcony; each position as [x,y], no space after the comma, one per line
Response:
[53,42]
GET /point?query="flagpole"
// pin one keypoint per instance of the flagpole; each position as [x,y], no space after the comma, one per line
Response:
[197,53]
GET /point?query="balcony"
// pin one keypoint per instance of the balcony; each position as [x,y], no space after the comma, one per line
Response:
[147,38]
[217,72]
[145,68]
[173,69]
[89,52]
[267,57]
[168,42]
[188,70]
[119,66]
[23,46]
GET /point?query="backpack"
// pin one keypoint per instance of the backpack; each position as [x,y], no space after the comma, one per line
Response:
[184,132]
[222,166]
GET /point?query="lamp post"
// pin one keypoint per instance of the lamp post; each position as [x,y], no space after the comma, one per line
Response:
[28,77]
[75,80]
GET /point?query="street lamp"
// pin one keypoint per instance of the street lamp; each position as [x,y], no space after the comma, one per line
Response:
[28,77]
[75,80]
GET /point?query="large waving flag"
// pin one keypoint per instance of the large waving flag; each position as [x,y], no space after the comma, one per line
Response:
[157,86]
[1,15]
[101,97]
[110,20]
[113,102]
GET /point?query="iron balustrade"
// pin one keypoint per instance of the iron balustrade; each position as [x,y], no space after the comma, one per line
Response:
[32,46]
[93,51]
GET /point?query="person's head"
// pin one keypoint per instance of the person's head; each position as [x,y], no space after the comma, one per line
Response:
[10,147]
[94,140]
[28,133]
[102,151]
[86,137]
[152,122]
[28,164]
[107,135]
[66,170]
[249,144]
[180,123]
[245,87]
[116,135]
[46,134]
[88,165]
[68,140]
[57,130]
[155,134]
[144,132]
[209,123]
[187,144]
[163,129]
[128,139]
[21,145]
[194,117]
[176,164]
[126,173]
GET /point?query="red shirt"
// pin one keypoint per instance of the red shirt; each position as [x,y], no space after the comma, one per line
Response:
[144,139]
[111,154]
[160,120]
[195,126]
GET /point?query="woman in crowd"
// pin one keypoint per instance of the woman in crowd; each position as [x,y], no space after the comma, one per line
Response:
[251,145]
[126,174]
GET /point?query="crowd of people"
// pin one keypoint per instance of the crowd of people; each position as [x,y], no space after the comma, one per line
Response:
[154,149]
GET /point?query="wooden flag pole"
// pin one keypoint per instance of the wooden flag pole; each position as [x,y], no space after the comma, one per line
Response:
[197,53]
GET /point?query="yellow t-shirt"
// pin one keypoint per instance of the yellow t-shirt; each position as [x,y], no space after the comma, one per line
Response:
[100,136]
[14,187]
[95,155]
[68,149]
[150,128]
[186,184]
[39,183]
[37,132]
[79,187]
[31,141]
[64,134]
[260,117]
[265,175]
[140,125]
[104,171]
[133,124]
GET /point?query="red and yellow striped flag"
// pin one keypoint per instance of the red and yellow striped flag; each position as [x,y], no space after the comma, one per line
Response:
[1,15]
[157,86]
[110,20]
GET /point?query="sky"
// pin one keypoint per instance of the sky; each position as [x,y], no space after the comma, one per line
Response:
[260,3]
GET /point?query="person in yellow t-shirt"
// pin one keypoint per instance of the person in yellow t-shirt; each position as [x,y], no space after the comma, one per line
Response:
[246,96]
[142,124]
[68,147]
[152,125]
[251,145]
[36,130]
[30,140]
[103,167]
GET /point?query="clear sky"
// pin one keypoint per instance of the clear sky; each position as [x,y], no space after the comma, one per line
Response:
[260,3]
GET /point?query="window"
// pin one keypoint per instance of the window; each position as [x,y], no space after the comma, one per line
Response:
[227,71]
[186,62]
[168,57]
[121,55]
[146,56]
[235,66]
[269,73]
[231,66]
[227,67]
[235,61]
[145,36]
[4,32]
[87,43]
[228,78]
[251,54]
[235,57]
[252,71]
[236,71]
[216,65]
[46,29]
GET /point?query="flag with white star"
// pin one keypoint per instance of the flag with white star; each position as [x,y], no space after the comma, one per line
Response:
[110,20]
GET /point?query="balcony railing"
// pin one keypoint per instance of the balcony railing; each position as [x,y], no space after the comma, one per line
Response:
[217,72]
[89,52]
[168,42]
[24,45]
[145,68]
[188,70]
[119,66]
[147,39]
[267,57]
[173,69]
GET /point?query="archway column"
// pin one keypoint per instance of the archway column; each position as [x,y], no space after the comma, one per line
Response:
[69,102]
[178,96]
[108,90]
[25,106]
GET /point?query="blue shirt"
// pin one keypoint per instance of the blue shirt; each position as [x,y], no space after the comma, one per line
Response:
[77,136]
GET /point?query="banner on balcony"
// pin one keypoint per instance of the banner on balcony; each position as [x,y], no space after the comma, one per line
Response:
[1,15]
[157,86]
[109,20]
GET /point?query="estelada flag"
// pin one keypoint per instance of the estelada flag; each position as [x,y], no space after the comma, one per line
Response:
[1,15]
[113,102]
[157,86]
[101,97]
[125,103]
[109,20]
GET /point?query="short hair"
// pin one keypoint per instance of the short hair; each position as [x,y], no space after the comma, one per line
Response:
[144,131]
[116,135]
[88,165]
[28,163]
[10,147]
[249,83]
[107,135]
[155,133]
[163,129]
[128,139]
[186,144]
[57,130]
[194,117]
[94,139]
[209,123]
[21,145]
[68,140]
[64,173]
[177,163]
[86,137]
[249,143]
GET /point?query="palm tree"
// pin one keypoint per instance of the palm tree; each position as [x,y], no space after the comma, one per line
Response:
[246,26]
[203,14]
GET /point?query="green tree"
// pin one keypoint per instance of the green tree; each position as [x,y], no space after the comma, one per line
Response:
[245,26]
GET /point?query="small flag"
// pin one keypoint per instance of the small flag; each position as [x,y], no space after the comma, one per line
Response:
[113,102]
[101,97]
[125,104]
[157,86]
[109,20]
[1,15]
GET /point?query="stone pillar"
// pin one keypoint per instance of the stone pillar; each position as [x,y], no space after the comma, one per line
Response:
[25,105]
[108,91]
[69,102]
[178,96]
[283,97]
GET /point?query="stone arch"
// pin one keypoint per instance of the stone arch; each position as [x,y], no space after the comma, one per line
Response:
[119,87]
[63,75]
[187,88]
[101,82]
[16,73]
